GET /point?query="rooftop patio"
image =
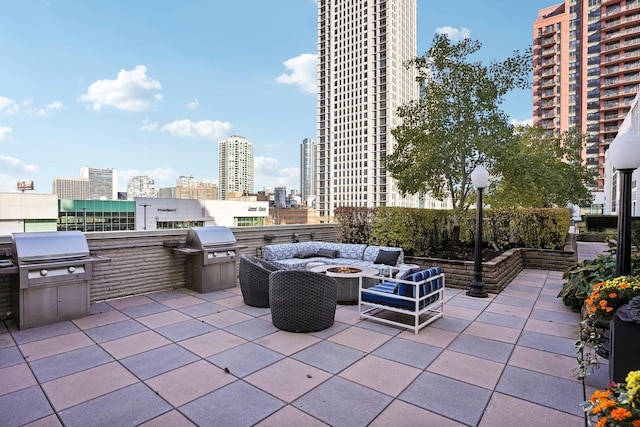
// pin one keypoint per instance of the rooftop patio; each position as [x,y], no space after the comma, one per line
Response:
[178,358]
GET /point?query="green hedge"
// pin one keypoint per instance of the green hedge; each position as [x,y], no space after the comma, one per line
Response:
[421,231]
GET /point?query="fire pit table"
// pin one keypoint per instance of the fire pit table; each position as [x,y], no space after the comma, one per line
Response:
[347,277]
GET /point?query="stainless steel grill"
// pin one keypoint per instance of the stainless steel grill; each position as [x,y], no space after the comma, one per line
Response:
[54,271]
[211,264]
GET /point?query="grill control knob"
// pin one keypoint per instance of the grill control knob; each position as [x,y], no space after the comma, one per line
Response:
[44,272]
[72,269]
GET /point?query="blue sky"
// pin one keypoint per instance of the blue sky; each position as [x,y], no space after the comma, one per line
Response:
[149,87]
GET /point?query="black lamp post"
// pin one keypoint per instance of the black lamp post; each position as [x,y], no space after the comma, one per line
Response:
[624,153]
[480,180]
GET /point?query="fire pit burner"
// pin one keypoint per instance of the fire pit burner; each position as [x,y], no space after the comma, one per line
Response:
[344,270]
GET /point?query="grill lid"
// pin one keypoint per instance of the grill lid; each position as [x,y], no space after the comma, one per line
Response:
[206,237]
[49,246]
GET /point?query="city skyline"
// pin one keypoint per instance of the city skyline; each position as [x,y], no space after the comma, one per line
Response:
[150,89]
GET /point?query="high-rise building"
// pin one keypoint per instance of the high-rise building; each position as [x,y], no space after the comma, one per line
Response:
[141,186]
[71,188]
[235,166]
[362,46]
[308,149]
[586,71]
[103,183]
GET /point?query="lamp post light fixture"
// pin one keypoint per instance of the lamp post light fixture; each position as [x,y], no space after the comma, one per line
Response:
[624,153]
[480,180]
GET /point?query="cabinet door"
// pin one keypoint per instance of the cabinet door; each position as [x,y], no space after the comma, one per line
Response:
[73,300]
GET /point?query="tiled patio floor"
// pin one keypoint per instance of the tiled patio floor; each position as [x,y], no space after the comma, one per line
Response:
[179,358]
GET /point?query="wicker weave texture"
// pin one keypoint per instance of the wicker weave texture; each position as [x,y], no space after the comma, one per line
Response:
[254,281]
[302,301]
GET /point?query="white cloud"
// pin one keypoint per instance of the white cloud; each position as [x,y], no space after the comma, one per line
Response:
[268,170]
[206,129]
[7,105]
[454,34]
[130,91]
[526,122]
[17,165]
[44,111]
[193,104]
[148,125]
[302,71]
[4,132]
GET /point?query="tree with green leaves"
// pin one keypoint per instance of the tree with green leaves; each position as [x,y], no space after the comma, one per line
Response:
[541,171]
[457,123]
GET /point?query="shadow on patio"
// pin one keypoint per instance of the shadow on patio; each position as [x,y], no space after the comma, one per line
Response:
[179,358]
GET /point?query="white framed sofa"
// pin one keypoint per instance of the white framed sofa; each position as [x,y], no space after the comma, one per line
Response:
[412,300]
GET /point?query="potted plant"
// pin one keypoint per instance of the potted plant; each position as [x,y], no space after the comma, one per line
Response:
[617,406]
[625,334]
[600,307]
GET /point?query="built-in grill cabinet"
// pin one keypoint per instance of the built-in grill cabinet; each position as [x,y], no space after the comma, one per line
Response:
[211,261]
[54,270]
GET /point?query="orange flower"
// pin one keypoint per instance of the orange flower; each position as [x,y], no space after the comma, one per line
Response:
[623,285]
[599,394]
[604,404]
[603,303]
[620,414]
[613,295]
[608,309]
[636,423]
[602,422]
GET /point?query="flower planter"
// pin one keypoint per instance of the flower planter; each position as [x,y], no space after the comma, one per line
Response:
[623,351]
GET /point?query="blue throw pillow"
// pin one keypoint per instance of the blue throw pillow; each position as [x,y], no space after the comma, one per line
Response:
[306,254]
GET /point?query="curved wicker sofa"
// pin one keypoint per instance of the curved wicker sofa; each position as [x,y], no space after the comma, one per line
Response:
[302,301]
[296,256]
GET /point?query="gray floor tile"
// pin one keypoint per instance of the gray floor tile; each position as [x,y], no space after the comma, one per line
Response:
[515,301]
[145,309]
[158,361]
[44,332]
[329,356]
[380,327]
[408,352]
[557,393]
[23,406]
[334,403]
[451,398]
[501,320]
[465,302]
[554,344]
[567,318]
[10,356]
[116,330]
[254,311]
[184,330]
[237,404]
[212,296]
[128,406]
[203,309]
[252,329]
[100,307]
[484,348]
[330,331]
[166,295]
[57,366]
[550,298]
[523,288]
[245,359]
[450,323]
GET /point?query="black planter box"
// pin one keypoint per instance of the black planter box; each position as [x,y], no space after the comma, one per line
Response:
[624,354]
